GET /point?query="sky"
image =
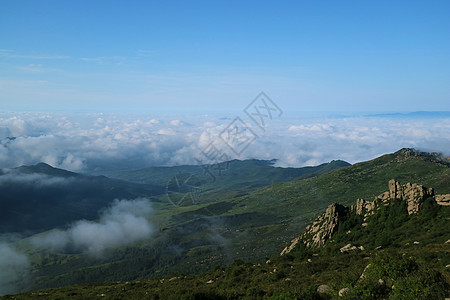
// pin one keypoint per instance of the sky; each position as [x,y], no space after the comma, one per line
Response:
[216,56]
[91,86]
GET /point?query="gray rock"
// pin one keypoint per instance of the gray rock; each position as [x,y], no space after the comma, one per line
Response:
[323,288]
[343,291]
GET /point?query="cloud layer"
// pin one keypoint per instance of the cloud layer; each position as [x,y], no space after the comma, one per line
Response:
[125,222]
[14,268]
[96,142]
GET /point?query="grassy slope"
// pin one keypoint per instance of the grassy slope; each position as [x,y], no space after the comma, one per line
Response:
[418,270]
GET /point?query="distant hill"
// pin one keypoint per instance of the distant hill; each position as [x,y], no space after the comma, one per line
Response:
[234,174]
[416,114]
[40,197]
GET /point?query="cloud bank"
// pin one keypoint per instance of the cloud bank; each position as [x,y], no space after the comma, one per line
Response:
[8,176]
[98,142]
[123,223]
[14,268]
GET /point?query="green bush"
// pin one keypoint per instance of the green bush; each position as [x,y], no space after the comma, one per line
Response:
[424,284]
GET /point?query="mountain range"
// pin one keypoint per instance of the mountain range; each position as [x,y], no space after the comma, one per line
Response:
[233,219]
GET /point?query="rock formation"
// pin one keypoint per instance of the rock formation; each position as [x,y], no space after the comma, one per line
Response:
[317,233]
[414,195]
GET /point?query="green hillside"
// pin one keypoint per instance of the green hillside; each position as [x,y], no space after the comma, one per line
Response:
[232,175]
[403,257]
[247,224]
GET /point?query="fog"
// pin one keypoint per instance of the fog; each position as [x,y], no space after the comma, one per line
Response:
[38,180]
[14,268]
[124,222]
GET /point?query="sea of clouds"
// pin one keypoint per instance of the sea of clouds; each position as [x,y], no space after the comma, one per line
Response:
[96,142]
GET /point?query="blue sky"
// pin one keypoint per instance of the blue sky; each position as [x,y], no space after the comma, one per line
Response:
[181,56]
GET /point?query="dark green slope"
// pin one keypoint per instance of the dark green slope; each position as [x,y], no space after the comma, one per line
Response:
[40,197]
[235,174]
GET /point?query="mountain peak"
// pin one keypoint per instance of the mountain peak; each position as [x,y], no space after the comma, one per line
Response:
[406,153]
[43,168]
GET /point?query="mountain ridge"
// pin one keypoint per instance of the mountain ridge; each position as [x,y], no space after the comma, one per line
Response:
[253,224]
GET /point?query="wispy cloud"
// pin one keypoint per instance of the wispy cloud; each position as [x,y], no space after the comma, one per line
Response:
[33,68]
[145,53]
[11,54]
[110,60]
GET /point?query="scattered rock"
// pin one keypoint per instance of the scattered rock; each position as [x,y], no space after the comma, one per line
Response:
[309,260]
[378,248]
[343,291]
[447,242]
[323,288]
[363,274]
[210,281]
[442,199]
[348,247]
[416,243]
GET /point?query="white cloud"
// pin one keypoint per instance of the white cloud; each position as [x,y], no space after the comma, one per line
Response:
[12,54]
[14,268]
[40,180]
[87,142]
[125,222]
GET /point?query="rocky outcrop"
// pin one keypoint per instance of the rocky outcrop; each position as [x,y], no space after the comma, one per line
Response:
[414,195]
[317,233]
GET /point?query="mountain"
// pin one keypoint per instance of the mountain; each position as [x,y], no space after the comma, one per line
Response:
[246,223]
[375,249]
[231,175]
[416,115]
[40,197]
